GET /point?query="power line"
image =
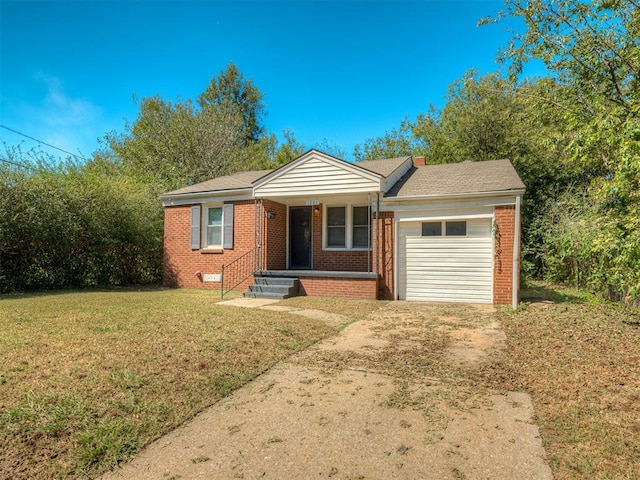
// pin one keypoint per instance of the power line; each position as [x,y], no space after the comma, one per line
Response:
[44,143]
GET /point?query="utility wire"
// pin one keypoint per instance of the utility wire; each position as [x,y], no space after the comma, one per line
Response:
[44,143]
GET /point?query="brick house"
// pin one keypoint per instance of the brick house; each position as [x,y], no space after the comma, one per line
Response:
[392,229]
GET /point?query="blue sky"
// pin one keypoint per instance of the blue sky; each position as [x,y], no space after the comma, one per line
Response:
[341,71]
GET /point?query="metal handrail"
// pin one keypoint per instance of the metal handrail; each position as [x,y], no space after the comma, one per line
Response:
[244,262]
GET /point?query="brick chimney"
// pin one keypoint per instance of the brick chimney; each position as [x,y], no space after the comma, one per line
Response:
[419,162]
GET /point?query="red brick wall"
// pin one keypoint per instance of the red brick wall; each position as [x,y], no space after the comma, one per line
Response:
[385,255]
[339,287]
[275,236]
[181,263]
[503,261]
[331,260]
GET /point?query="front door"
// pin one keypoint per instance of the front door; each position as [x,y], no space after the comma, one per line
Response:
[300,237]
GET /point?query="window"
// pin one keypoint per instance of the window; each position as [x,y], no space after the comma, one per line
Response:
[361,227]
[214,227]
[336,227]
[347,227]
[451,229]
[456,229]
[432,229]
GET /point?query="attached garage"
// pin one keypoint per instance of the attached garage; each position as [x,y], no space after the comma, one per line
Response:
[449,260]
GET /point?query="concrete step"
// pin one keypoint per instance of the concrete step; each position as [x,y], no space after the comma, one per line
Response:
[275,296]
[273,287]
[291,282]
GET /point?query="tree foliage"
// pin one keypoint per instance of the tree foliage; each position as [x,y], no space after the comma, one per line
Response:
[185,142]
[69,225]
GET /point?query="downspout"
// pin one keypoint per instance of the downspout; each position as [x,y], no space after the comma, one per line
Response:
[396,296]
[378,233]
[516,255]
[369,229]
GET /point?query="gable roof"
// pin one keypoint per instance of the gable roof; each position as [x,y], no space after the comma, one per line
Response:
[457,178]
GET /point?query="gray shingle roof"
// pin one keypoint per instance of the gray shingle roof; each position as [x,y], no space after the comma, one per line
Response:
[454,178]
[382,167]
[228,182]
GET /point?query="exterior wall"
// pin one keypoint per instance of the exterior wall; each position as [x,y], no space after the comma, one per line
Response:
[334,260]
[275,236]
[181,263]
[384,251]
[339,287]
[503,255]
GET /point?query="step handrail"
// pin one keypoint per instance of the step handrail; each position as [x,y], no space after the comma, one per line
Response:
[242,268]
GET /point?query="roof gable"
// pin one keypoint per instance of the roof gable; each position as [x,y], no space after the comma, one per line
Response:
[317,173]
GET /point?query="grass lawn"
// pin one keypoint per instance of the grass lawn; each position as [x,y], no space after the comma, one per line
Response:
[88,378]
[579,358]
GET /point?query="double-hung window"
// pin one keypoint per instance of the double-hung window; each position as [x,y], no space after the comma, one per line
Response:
[348,227]
[214,227]
[336,227]
[361,227]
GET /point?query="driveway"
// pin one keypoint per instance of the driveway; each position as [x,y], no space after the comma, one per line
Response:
[412,392]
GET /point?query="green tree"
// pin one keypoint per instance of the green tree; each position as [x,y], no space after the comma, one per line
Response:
[230,92]
[592,49]
[174,144]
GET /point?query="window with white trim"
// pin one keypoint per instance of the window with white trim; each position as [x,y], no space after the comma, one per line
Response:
[336,227]
[361,227]
[347,227]
[214,227]
[448,229]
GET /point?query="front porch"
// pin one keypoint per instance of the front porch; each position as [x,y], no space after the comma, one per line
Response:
[361,285]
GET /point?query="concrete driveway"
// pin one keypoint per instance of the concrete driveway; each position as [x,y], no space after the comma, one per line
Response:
[408,393]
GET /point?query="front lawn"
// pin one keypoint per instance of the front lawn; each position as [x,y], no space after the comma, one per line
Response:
[88,378]
[579,358]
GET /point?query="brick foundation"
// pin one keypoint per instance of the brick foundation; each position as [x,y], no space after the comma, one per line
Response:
[364,288]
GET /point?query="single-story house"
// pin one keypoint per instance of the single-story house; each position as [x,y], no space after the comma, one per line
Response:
[387,229]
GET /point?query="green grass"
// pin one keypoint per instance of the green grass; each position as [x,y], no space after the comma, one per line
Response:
[579,358]
[88,378]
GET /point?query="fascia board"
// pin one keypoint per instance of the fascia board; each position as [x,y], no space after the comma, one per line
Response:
[497,193]
[205,197]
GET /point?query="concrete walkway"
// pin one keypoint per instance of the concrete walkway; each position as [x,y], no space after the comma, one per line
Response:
[380,400]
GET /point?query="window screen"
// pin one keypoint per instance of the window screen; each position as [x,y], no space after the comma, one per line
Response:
[456,228]
[336,227]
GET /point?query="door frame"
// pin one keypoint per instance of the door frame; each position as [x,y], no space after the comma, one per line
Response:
[310,210]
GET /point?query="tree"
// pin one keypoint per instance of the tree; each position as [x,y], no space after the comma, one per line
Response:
[230,92]
[180,143]
[592,49]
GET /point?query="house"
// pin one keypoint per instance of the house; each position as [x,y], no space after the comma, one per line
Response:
[387,229]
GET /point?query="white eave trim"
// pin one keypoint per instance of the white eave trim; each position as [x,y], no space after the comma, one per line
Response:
[236,194]
[435,196]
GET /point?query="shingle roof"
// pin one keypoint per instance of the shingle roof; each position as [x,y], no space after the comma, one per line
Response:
[228,182]
[382,167]
[454,178]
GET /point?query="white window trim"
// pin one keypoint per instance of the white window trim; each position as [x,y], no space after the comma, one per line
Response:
[205,225]
[348,226]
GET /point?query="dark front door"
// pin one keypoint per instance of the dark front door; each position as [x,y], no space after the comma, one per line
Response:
[300,237]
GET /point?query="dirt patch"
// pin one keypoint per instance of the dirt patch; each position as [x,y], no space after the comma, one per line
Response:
[396,396]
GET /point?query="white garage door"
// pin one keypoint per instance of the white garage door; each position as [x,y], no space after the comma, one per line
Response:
[447,269]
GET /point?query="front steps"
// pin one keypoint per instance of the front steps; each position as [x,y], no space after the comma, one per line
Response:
[273,287]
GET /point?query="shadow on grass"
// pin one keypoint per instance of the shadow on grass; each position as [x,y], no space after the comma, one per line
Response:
[532,292]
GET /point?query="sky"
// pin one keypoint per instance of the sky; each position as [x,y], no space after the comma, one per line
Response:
[332,72]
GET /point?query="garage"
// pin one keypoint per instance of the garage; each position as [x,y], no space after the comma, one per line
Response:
[448,260]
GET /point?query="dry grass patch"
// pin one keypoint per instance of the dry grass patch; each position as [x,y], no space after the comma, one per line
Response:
[579,358]
[89,378]
[353,308]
